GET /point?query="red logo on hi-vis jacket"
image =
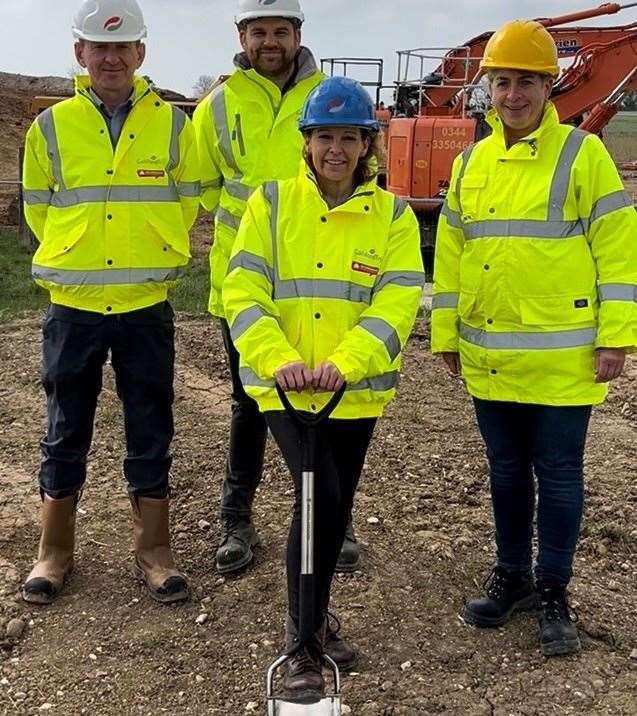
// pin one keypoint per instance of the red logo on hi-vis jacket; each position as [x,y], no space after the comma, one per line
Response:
[364,268]
[151,173]
[113,23]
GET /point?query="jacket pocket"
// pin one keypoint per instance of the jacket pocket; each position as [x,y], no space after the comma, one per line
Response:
[466,303]
[60,239]
[557,310]
[471,191]
[169,236]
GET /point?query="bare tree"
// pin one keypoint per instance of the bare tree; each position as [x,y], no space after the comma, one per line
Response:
[203,85]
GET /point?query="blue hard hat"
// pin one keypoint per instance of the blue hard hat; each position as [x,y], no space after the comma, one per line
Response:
[339,102]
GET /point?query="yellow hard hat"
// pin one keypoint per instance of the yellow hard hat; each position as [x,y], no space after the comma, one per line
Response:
[521,45]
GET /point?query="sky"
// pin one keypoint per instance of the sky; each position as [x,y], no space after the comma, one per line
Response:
[189,38]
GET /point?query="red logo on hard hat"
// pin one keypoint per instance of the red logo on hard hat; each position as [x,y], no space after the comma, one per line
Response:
[267,2]
[113,23]
[335,105]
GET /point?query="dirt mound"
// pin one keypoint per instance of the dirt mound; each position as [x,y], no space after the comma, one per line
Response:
[16,93]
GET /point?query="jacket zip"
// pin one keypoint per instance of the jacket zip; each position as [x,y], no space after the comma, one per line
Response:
[239,134]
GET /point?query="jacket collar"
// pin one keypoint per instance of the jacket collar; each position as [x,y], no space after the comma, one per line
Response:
[550,119]
[306,66]
[140,88]
[357,201]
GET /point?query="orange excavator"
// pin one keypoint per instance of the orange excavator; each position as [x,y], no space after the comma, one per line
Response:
[437,115]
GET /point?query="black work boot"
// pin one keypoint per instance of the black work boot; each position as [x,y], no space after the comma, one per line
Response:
[350,554]
[303,682]
[507,592]
[336,647]
[558,633]
[236,548]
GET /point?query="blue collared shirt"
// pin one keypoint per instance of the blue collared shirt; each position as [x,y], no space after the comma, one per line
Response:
[115,119]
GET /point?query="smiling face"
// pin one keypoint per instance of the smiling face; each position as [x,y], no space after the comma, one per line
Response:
[271,45]
[519,98]
[335,152]
[110,65]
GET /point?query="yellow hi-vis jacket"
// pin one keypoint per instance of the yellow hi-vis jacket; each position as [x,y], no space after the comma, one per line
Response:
[535,265]
[247,134]
[310,283]
[112,223]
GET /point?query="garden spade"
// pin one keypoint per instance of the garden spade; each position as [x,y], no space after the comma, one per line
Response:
[330,703]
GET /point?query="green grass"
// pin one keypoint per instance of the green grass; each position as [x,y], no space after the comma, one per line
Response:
[620,137]
[18,292]
[192,291]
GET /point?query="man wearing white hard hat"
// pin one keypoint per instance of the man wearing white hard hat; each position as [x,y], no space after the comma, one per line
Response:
[111,190]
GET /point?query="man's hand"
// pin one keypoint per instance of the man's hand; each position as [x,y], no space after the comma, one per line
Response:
[294,376]
[452,362]
[609,364]
[327,377]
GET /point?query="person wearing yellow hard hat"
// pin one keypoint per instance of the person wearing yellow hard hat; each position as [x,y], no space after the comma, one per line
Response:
[111,190]
[535,288]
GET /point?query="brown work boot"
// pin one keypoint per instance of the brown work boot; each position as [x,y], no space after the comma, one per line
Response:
[55,556]
[343,654]
[303,682]
[154,563]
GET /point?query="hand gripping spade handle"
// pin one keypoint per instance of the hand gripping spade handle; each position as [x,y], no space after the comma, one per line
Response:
[307,424]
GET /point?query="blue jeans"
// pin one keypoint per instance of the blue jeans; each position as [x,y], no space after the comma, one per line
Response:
[548,441]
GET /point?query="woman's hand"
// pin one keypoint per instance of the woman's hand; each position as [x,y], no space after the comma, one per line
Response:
[609,363]
[327,377]
[452,362]
[294,376]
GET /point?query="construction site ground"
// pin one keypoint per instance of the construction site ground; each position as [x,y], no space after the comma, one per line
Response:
[423,518]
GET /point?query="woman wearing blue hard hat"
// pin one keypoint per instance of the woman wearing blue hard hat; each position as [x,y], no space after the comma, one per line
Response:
[323,288]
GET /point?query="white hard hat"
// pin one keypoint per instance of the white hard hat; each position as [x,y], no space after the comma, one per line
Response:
[253,9]
[109,21]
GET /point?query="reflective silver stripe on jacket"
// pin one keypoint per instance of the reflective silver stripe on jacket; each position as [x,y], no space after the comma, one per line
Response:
[238,189]
[379,383]
[179,122]
[190,189]
[466,154]
[33,197]
[213,183]
[562,175]
[47,127]
[246,319]
[454,219]
[408,279]
[400,206]
[104,194]
[220,120]
[251,262]
[227,219]
[533,340]
[617,292]
[609,203]
[448,299]
[321,288]
[271,194]
[385,333]
[523,228]
[106,277]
